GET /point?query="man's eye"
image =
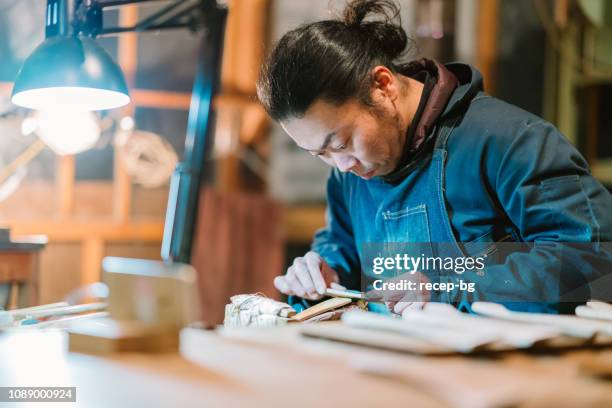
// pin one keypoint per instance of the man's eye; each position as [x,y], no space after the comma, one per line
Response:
[341,147]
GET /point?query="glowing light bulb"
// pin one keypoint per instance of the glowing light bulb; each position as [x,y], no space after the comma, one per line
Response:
[126,123]
[68,131]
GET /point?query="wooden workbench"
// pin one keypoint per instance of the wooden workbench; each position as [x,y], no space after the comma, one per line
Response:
[278,367]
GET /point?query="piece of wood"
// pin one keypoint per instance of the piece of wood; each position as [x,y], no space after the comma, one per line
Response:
[326,305]
[593,313]
[379,340]
[508,335]
[568,325]
[461,341]
[54,311]
[598,304]
[107,335]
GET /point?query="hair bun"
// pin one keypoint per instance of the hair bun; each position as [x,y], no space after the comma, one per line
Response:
[357,11]
[379,20]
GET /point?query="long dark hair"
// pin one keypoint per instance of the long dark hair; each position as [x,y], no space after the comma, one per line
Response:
[332,59]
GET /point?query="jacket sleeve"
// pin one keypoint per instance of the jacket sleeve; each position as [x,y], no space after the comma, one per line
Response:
[335,242]
[545,188]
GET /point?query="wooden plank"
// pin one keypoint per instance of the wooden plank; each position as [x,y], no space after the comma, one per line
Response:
[319,308]
[252,17]
[105,229]
[161,99]
[127,50]
[488,15]
[64,182]
[91,260]
[127,43]
[229,67]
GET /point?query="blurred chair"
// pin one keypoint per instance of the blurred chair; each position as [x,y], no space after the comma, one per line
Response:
[238,248]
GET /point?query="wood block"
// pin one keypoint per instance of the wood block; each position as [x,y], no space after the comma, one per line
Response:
[322,307]
[378,340]
[151,292]
[107,335]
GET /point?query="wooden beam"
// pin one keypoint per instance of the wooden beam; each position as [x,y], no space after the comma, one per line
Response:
[127,51]
[64,184]
[229,67]
[91,260]
[107,230]
[252,17]
[161,99]
[488,16]
[127,43]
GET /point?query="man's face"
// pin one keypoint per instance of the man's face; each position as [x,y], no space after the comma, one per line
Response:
[352,137]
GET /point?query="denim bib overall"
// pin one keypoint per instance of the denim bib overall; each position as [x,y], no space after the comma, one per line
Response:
[412,211]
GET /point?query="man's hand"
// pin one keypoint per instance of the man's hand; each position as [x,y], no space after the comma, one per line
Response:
[307,277]
[403,301]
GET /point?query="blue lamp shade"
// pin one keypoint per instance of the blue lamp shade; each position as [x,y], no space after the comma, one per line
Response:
[70,73]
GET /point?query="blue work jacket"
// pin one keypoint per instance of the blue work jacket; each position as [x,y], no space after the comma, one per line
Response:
[500,174]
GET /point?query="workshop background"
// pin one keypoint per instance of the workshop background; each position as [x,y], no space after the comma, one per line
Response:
[265,198]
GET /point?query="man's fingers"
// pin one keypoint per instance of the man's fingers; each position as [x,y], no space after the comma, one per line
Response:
[329,275]
[412,307]
[313,263]
[305,278]
[401,306]
[301,272]
[294,284]
[282,286]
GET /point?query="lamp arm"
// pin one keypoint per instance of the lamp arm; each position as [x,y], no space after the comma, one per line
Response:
[190,174]
[88,16]
[166,18]
[187,179]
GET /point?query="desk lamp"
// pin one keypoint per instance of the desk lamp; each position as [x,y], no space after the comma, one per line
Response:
[69,70]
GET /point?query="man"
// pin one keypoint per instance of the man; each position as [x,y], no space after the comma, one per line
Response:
[422,155]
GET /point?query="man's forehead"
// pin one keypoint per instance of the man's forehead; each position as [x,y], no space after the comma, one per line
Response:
[308,134]
[319,121]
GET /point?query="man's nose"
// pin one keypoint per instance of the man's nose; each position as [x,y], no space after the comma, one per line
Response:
[345,162]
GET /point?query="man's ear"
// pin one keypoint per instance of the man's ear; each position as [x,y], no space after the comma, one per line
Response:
[384,84]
